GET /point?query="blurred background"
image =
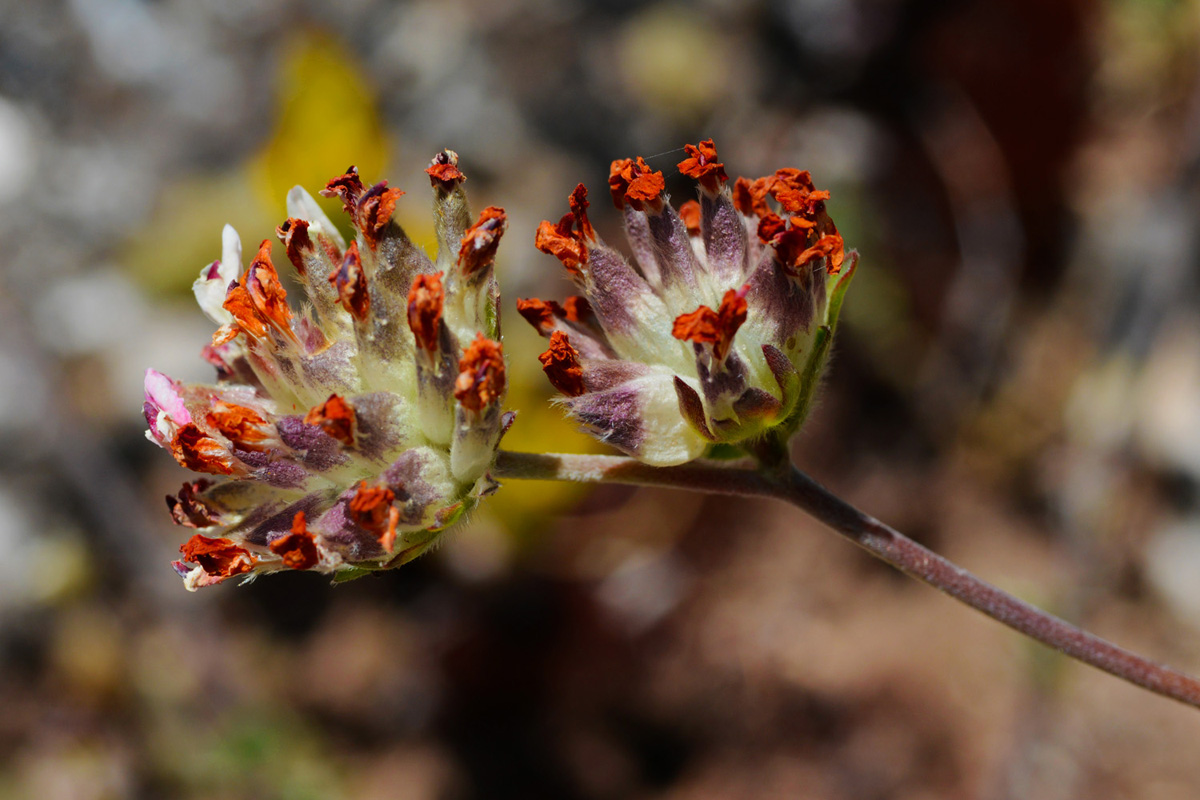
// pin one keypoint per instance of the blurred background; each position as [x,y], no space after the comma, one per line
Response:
[1016,384]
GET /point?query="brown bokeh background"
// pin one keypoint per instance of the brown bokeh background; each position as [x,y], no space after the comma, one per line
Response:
[1016,384]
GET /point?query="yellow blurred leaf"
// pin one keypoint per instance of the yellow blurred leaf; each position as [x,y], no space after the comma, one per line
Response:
[657,51]
[184,232]
[326,119]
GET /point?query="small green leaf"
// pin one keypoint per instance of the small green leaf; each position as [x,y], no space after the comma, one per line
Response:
[810,378]
[350,574]
[725,452]
[839,291]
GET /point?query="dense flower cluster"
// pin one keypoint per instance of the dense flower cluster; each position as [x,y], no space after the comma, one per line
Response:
[719,331]
[350,434]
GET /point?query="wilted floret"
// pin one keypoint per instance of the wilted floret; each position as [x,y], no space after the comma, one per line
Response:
[352,432]
[717,332]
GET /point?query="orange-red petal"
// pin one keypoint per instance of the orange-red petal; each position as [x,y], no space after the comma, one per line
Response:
[541,314]
[750,197]
[689,212]
[245,318]
[568,240]
[348,187]
[620,173]
[794,190]
[243,426]
[578,204]
[560,241]
[443,171]
[632,181]
[478,247]
[561,364]
[646,188]
[828,247]
[425,300]
[714,327]
[220,558]
[770,226]
[702,164]
[577,308]
[481,377]
[294,235]
[189,510]
[199,452]
[742,199]
[375,212]
[336,418]
[371,508]
[299,547]
[350,280]
[266,291]
[538,313]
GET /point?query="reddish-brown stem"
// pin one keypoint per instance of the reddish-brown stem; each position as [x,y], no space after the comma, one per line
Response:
[884,542]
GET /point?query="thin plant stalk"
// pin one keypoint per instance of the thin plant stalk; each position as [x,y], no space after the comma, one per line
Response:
[792,486]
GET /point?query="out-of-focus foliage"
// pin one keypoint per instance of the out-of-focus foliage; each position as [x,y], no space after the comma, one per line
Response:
[326,117]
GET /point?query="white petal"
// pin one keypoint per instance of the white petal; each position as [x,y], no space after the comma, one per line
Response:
[302,205]
[231,255]
[195,579]
[164,428]
[213,284]
[210,294]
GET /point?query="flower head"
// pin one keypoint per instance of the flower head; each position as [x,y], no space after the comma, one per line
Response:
[717,332]
[351,433]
